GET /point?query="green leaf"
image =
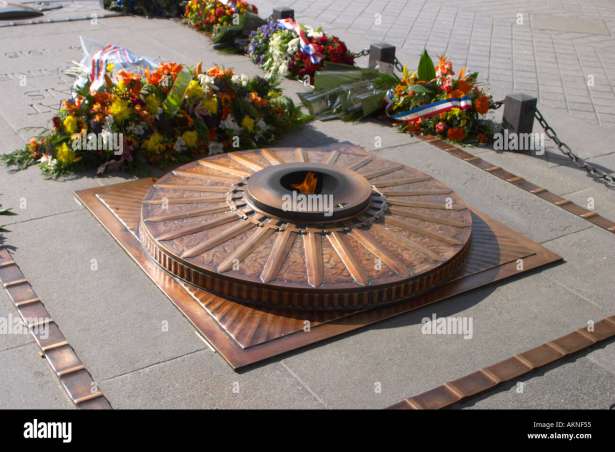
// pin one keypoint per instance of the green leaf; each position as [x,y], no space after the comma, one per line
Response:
[426,70]
[419,89]
[175,97]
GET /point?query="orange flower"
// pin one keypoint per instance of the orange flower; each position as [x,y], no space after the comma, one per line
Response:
[464,86]
[257,100]
[444,67]
[400,90]
[481,105]
[455,94]
[215,72]
[103,98]
[72,105]
[456,133]
[162,71]
[33,147]
[131,80]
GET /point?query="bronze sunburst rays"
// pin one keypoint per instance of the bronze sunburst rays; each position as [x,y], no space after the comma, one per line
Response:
[206,227]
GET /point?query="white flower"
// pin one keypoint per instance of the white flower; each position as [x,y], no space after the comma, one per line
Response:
[108,121]
[293,46]
[315,33]
[230,124]
[48,160]
[180,145]
[207,82]
[240,79]
[262,125]
[136,129]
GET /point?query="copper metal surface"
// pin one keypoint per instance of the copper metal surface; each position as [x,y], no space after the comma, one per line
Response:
[371,249]
[245,335]
[485,379]
[590,215]
[61,357]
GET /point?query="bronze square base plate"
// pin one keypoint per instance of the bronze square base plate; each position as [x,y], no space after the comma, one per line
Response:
[245,335]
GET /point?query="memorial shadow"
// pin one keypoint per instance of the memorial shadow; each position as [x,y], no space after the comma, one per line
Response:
[554,157]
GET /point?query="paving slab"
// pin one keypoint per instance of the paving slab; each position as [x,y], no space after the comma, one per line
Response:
[394,359]
[27,381]
[590,259]
[31,196]
[576,384]
[114,316]
[202,380]
[569,24]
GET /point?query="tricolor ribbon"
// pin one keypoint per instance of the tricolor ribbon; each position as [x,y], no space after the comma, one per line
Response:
[102,57]
[230,3]
[306,47]
[429,110]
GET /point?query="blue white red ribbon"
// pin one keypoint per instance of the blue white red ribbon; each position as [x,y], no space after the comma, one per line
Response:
[108,54]
[230,3]
[432,109]
[306,47]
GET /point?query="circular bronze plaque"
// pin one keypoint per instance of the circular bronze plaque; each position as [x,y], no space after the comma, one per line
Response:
[299,229]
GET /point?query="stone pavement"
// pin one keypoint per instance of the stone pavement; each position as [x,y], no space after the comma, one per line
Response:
[144,354]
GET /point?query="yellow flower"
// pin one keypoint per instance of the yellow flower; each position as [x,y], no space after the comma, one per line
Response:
[194,89]
[70,124]
[65,155]
[248,123]
[154,144]
[152,104]
[120,110]
[210,104]
[190,138]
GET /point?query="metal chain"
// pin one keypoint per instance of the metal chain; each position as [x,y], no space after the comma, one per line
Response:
[592,170]
[398,65]
[361,53]
[497,104]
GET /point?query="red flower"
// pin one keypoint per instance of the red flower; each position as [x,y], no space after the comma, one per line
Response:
[456,133]
[440,127]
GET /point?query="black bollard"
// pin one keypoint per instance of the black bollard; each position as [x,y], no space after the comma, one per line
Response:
[382,57]
[519,112]
[283,12]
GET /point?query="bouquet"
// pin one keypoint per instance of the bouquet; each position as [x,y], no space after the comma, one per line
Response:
[164,115]
[434,100]
[164,8]
[229,23]
[347,92]
[288,49]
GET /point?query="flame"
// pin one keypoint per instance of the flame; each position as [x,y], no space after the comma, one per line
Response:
[308,186]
